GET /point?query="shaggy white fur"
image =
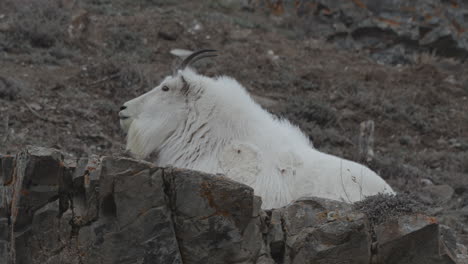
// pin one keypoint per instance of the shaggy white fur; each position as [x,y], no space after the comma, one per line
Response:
[213,125]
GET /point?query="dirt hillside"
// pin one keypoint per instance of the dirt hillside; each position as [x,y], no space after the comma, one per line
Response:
[67,66]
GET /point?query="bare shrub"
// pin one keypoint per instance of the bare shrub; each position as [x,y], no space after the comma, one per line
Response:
[383,207]
[35,24]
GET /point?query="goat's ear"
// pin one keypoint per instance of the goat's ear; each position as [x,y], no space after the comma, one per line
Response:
[183,80]
[185,85]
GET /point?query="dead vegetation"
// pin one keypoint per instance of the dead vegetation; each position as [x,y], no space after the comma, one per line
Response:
[33,25]
[383,207]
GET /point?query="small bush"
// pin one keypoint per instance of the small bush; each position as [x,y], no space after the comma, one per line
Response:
[311,111]
[35,24]
[383,207]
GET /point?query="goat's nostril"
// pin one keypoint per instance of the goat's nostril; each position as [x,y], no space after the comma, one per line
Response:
[122,107]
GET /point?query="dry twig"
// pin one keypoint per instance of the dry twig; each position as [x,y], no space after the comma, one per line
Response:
[366,141]
[105,79]
[36,114]
[7,129]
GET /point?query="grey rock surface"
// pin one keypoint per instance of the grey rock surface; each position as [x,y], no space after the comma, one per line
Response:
[437,194]
[120,210]
[391,31]
[399,236]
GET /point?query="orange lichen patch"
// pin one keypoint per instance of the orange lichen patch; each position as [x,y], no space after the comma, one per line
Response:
[408,9]
[328,244]
[7,183]
[326,11]
[454,4]
[322,215]
[313,6]
[276,7]
[360,3]
[389,21]
[87,180]
[457,26]
[431,220]
[206,192]
[428,16]
[142,212]
[297,3]
[13,178]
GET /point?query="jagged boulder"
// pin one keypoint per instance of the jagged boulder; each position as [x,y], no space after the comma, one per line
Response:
[120,210]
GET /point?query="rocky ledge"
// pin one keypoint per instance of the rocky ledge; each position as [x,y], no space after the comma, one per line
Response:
[119,210]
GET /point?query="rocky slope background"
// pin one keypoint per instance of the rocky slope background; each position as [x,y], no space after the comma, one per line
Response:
[67,65]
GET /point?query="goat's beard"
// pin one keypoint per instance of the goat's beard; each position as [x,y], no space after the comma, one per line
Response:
[146,135]
[125,124]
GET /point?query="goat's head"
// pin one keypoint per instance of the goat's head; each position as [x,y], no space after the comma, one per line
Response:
[160,110]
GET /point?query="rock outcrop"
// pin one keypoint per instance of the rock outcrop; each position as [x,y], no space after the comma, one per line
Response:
[119,210]
[391,31]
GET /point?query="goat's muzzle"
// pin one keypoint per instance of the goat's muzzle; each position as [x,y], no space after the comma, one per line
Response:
[122,116]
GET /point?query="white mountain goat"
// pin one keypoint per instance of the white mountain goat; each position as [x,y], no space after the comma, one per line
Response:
[213,125]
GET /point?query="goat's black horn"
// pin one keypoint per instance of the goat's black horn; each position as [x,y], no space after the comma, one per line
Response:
[197,55]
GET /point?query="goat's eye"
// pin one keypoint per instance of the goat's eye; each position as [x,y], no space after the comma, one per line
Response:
[165,88]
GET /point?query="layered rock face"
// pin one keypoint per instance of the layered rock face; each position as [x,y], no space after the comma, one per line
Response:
[119,210]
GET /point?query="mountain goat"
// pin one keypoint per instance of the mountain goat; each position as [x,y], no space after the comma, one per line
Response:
[213,125]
